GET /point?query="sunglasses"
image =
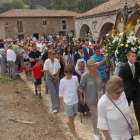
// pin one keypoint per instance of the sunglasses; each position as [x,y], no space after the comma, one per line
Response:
[95,48]
[118,93]
[54,53]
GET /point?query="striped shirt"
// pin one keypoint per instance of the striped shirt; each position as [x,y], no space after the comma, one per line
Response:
[102,68]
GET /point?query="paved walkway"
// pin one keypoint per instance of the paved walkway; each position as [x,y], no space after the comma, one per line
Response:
[84,129]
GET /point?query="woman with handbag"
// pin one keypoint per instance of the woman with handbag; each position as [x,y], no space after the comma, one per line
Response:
[113,112]
[90,84]
[2,59]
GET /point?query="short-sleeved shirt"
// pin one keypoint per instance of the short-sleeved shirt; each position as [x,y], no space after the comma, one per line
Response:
[90,85]
[37,71]
[45,56]
[15,48]
[52,68]
[102,68]
[2,50]
[34,55]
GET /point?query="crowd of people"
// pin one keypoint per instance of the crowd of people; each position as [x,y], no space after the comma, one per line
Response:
[75,72]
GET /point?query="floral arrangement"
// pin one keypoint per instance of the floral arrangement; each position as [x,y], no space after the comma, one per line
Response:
[119,44]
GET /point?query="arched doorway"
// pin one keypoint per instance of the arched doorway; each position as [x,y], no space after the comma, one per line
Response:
[84,30]
[106,28]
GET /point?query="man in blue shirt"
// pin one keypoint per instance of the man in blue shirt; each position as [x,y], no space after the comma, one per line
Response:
[34,54]
[101,66]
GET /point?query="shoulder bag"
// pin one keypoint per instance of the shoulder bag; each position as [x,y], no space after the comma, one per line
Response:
[133,127]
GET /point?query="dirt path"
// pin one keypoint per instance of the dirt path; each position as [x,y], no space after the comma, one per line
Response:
[17,102]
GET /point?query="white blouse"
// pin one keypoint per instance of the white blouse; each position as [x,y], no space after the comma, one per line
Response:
[52,68]
[111,119]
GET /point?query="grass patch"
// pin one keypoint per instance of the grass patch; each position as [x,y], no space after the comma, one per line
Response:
[5,80]
[23,97]
[17,91]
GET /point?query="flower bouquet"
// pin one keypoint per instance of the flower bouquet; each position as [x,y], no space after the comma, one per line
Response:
[119,44]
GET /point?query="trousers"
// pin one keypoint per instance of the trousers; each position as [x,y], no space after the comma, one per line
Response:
[94,117]
[3,65]
[54,92]
[12,68]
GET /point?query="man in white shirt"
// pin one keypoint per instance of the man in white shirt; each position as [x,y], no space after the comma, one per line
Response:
[11,58]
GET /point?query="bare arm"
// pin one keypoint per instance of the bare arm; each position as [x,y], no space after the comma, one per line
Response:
[42,62]
[102,62]
[49,73]
[18,53]
[31,59]
[2,53]
[107,137]
[82,101]
[33,76]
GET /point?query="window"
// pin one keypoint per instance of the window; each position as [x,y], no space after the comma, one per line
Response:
[45,22]
[19,26]
[64,25]
[21,36]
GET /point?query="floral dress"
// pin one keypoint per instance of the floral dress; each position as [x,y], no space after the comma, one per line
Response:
[27,63]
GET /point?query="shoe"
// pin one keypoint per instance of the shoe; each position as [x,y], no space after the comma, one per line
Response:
[54,111]
[96,137]
[40,96]
[36,93]
[17,75]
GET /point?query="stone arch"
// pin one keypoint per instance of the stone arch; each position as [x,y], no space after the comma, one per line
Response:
[106,28]
[134,19]
[119,22]
[85,29]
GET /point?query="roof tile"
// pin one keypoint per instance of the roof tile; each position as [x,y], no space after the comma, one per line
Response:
[38,13]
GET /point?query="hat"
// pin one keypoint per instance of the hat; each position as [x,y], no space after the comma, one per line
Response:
[46,41]
[91,62]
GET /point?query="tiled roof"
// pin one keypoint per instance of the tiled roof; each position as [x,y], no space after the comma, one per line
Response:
[109,6]
[38,13]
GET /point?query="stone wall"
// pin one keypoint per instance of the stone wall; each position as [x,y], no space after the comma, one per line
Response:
[95,25]
[35,26]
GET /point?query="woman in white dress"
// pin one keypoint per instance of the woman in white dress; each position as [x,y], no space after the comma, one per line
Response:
[110,120]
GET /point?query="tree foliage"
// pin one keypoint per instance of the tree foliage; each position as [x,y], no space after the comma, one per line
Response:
[58,4]
[11,4]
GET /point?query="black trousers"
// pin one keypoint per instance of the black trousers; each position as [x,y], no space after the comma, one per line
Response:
[136,104]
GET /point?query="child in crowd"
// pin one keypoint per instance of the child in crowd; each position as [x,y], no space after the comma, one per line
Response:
[11,58]
[27,63]
[68,94]
[36,72]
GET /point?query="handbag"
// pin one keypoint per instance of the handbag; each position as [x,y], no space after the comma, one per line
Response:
[133,127]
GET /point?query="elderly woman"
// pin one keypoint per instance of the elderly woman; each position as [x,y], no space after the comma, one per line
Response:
[68,56]
[110,119]
[90,84]
[79,70]
[2,59]
[52,67]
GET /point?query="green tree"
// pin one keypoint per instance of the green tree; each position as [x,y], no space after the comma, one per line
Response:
[58,4]
[14,4]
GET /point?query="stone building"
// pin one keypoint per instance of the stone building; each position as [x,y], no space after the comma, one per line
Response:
[19,23]
[100,20]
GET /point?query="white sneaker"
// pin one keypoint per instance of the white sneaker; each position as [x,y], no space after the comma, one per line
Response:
[96,137]
[54,111]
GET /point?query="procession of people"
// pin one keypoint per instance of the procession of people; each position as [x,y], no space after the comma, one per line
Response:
[76,71]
